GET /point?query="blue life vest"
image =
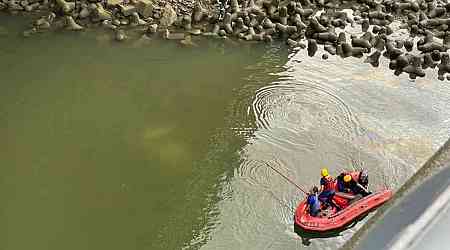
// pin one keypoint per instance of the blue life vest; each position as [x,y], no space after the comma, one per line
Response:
[314,204]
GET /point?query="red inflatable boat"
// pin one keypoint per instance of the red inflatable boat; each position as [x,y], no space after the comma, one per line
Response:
[330,219]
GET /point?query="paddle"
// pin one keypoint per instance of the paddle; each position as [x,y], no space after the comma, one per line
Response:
[285,177]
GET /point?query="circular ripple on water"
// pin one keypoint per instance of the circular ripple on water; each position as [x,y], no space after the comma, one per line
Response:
[304,106]
[305,118]
[301,127]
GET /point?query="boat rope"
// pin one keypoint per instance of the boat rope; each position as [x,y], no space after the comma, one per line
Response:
[285,177]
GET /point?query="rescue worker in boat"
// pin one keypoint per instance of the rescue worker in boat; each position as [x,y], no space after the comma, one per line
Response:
[327,188]
[363,178]
[313,202]
[353,184]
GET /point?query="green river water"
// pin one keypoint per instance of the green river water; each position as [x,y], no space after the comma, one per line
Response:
[148,144]
[114,146]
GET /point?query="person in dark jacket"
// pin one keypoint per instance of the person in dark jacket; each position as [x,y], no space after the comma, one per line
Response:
[347,184]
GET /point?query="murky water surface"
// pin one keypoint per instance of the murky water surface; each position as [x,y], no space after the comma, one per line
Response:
[152,145]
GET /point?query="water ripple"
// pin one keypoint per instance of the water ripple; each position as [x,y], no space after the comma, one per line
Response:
[303,106]
[343,116]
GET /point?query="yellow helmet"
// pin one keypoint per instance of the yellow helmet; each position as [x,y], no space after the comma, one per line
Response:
[347,178]
[324,172]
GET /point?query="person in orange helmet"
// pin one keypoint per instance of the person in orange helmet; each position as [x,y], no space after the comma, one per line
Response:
[347,183]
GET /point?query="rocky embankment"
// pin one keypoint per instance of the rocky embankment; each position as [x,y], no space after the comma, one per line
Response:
[302,23]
